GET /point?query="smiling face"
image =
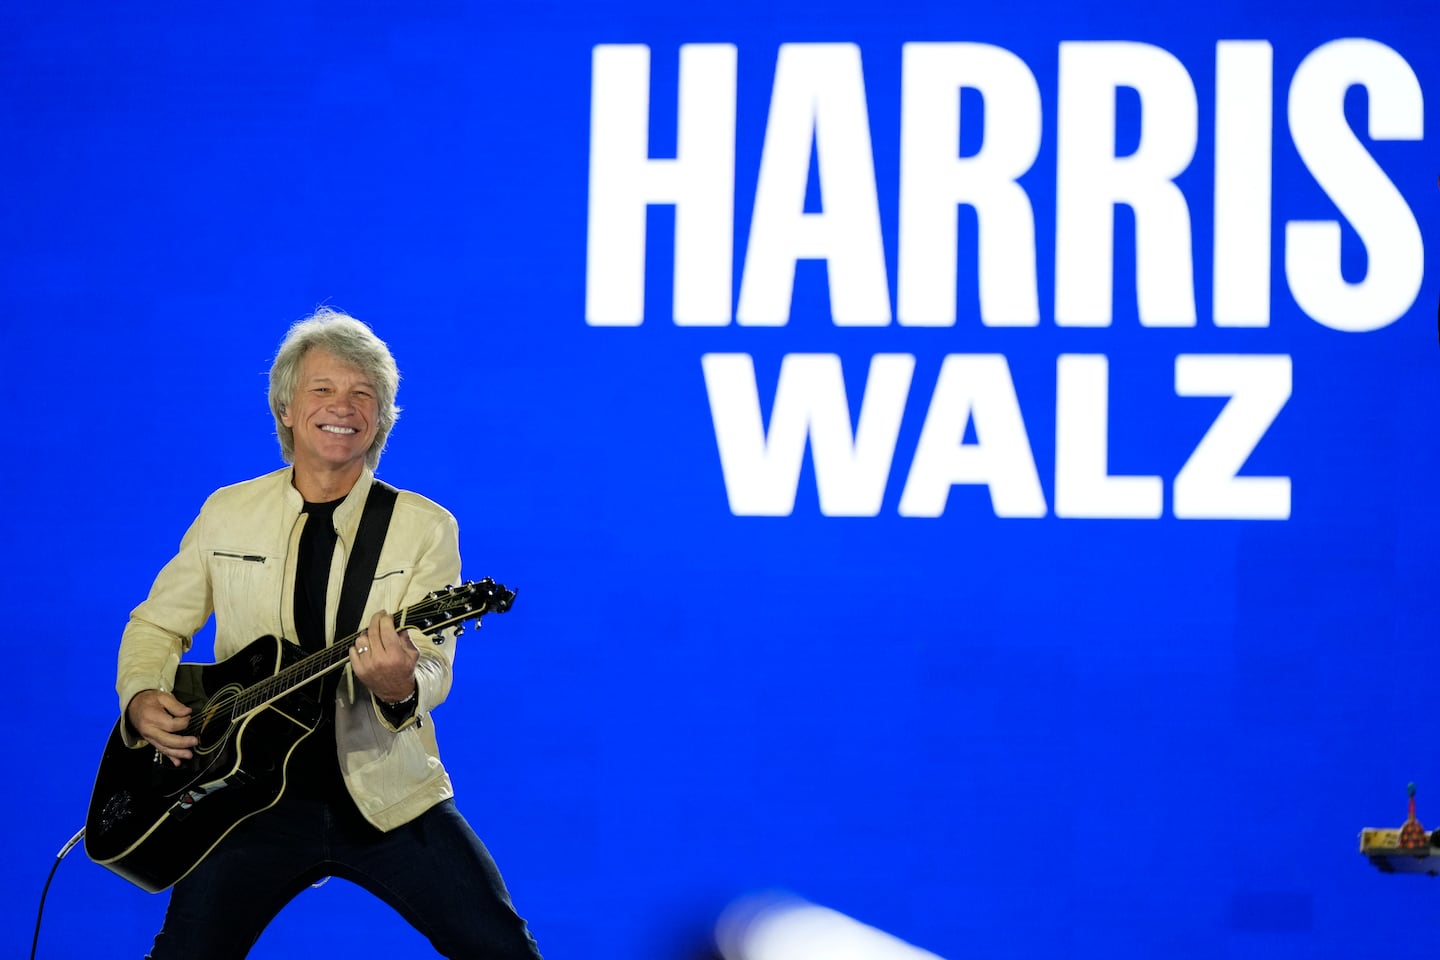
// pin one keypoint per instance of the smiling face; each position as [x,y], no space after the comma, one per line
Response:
[334,415]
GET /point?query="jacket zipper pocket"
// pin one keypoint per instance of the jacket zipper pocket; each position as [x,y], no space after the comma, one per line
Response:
[252,557]
[390,574]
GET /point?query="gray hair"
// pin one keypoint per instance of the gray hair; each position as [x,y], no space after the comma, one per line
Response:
[349,340]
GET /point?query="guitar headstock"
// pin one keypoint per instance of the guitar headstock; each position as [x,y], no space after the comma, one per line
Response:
[453,606]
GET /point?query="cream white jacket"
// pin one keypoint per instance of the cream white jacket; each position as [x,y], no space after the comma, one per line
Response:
[237,560]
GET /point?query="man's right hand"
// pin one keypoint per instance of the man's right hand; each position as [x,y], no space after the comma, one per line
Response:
[160,719]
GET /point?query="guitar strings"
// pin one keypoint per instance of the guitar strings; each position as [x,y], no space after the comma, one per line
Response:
[330,657]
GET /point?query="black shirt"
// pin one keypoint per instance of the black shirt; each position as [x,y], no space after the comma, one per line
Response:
[314,771]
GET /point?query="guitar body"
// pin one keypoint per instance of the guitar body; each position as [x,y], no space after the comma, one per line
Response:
[153,822]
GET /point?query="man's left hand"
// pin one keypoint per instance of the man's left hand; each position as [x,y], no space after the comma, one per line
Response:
[384,660]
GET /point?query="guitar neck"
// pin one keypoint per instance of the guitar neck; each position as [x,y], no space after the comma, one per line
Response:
[440,610]
[303,671]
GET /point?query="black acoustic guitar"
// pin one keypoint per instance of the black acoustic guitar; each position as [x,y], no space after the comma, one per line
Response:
[153,822]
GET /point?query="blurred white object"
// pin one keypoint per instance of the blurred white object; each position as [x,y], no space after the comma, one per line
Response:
[782,927]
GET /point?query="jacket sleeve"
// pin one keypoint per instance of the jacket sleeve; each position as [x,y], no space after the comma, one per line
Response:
[162,627]
[437,566]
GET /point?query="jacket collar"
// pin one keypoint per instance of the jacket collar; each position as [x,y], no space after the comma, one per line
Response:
[347,515]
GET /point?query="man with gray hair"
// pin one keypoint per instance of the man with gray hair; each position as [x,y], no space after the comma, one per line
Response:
[366,797]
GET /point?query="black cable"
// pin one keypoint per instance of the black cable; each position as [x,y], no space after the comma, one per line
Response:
[41,912]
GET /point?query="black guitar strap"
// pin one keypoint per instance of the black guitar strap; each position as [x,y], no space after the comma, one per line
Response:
[360,570]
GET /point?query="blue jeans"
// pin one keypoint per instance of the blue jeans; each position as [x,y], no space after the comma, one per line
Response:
[433,870]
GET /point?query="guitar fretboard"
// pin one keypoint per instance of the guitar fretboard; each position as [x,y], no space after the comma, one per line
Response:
[299,673]
[438,611]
